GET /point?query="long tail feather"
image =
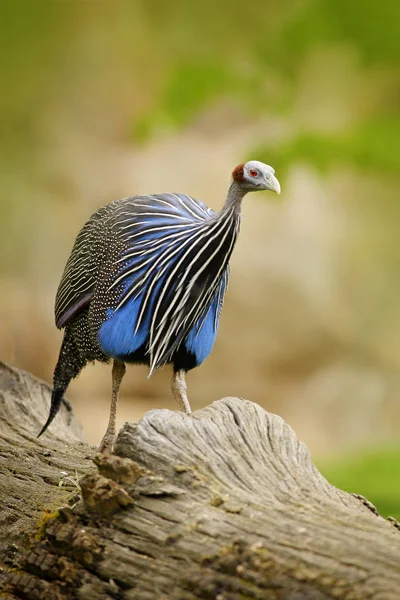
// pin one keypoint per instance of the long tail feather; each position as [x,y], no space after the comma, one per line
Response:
[69,365]
[56,401]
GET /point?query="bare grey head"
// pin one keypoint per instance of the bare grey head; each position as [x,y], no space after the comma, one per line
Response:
[255,176]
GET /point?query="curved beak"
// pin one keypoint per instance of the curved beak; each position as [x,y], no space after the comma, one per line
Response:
[273,184]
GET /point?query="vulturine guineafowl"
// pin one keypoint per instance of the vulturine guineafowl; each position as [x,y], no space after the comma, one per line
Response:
[145,284]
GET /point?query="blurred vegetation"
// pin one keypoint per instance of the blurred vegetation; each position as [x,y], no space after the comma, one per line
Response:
[373,145]
[197,52]
[370,474]
[279,38]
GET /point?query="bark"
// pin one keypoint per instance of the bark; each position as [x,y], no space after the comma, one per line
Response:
[224,504]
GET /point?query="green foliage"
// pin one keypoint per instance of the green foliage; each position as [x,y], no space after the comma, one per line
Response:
[370,145]
[373,474]
[190,87]
[256,55]
[370,26]
[199,52]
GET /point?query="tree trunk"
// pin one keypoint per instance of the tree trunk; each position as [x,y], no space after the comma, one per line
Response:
[223,504]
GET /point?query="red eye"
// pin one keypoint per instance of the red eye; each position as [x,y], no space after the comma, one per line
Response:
[253,172]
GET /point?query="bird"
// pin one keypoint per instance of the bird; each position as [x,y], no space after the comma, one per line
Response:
[145,284]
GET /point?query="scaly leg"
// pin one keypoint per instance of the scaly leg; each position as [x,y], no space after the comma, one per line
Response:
[107,443]
[179,389]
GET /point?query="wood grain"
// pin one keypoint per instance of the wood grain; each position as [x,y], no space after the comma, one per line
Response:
[223,504]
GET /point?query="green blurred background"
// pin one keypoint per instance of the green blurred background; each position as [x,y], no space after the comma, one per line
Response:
[102,100]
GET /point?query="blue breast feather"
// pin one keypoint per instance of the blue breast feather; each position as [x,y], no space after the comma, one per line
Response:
[156,244]
[118,340]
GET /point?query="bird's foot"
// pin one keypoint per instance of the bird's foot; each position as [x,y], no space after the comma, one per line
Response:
[107,444]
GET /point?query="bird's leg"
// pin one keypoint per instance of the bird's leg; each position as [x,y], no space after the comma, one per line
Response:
[118,371]
[179,389]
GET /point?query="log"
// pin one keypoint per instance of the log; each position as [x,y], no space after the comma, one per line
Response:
[223,504]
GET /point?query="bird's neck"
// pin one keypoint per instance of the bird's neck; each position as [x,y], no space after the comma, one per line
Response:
[233,202]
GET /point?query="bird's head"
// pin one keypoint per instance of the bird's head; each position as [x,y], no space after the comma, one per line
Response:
[254,176]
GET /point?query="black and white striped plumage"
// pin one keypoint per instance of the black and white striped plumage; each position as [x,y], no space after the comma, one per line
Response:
[167,273]
[146,280]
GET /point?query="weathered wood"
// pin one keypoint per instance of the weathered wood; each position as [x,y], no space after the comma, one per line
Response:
[223,504]
[32,469]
